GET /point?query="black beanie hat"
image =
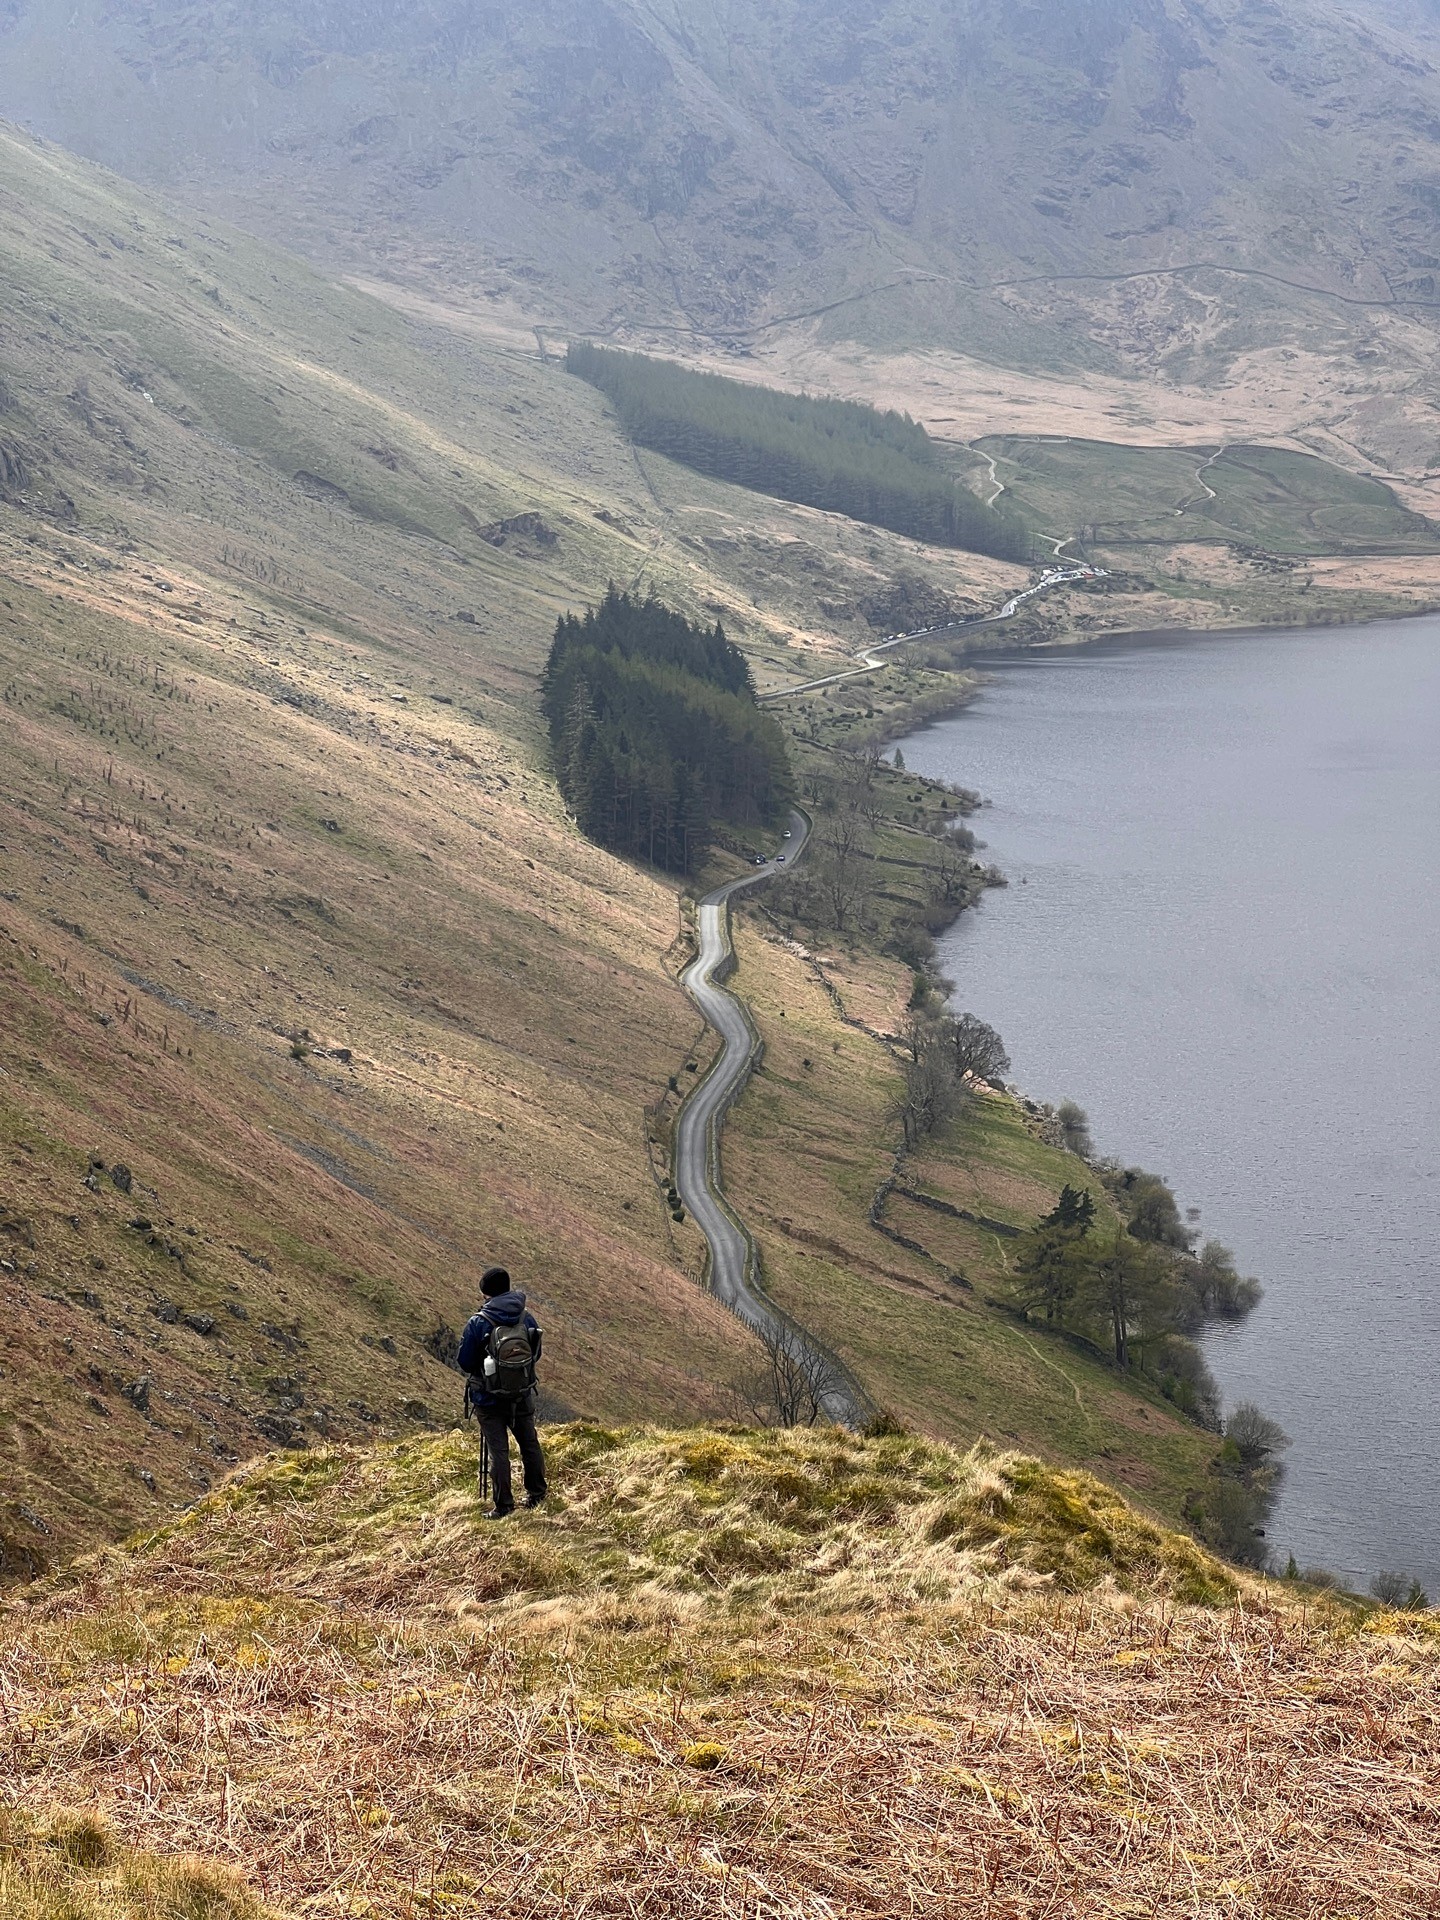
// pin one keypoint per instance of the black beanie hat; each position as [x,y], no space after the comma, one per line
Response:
[493,1282]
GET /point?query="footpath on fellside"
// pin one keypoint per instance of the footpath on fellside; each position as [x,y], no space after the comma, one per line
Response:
[734,1260]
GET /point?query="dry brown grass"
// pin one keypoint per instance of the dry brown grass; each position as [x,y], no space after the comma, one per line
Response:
[731,1675]
[497,984]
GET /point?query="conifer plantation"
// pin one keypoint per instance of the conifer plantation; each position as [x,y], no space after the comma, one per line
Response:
[656,733]
[839,455]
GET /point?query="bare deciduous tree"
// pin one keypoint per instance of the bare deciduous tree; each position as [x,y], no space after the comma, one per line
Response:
[919,1031]
[842,866]
[1400,1590]
[941,1051]
[790,1386]
[1075,1125]
[1256,1438]
[931,1097]
[857,792]
[952,870]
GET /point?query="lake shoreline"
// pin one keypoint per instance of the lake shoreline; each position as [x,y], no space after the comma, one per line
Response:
[1187,936]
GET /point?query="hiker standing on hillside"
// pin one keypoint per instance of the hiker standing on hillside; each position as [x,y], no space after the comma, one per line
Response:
[498,1350]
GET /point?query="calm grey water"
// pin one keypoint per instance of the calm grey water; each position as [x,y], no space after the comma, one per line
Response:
[1222,936]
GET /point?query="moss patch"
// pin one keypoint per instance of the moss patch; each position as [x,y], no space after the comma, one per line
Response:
[73,1867]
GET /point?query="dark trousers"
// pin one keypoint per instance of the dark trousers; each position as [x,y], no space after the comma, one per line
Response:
[497,1423]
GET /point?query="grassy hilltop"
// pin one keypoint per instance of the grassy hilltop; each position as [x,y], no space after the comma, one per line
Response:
[722,1674]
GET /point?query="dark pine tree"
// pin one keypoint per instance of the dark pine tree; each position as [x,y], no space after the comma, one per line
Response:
[656,733]
[839,455]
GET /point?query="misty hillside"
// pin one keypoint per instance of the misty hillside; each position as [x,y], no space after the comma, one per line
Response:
[714,167]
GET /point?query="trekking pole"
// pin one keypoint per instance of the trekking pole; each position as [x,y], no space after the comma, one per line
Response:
[484,1466]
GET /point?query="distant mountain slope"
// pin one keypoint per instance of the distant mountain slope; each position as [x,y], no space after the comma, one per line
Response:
[715,166]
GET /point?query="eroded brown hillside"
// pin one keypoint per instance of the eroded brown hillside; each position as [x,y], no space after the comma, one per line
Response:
[312,1000]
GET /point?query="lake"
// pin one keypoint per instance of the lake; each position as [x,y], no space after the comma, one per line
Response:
[1222,937]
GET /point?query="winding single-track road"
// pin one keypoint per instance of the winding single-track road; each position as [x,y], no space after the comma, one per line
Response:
[697,1135]
[869,655]
[734,1260]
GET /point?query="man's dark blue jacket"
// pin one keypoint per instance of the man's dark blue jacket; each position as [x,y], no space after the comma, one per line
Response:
[505,1310]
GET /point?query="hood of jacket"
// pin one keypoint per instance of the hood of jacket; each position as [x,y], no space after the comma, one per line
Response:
[506,1309]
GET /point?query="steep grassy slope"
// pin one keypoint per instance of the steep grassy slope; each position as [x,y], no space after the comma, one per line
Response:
[723,1673]
[313,1000]
[295,932]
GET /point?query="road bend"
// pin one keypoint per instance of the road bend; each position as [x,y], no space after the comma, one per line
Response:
[870,655]
[697,1136]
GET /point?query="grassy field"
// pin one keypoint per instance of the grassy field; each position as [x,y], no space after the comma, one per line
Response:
[722,1674]
[1252,496]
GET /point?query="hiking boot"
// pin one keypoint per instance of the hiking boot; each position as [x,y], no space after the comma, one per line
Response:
[533,1500]
[499,1513]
